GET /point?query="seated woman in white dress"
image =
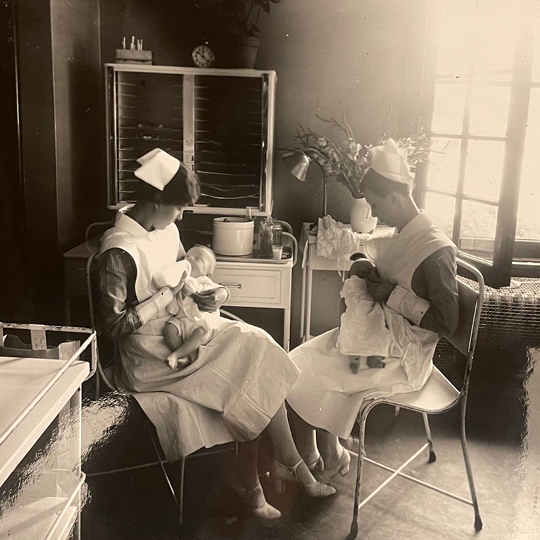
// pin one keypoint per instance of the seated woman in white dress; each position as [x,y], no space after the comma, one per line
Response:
[418,288]
[237,386]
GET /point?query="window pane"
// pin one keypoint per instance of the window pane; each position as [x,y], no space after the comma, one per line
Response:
[448,108]
[455,37]
[497,31]
[489,110]
[494,76]
[528,223]
[478,225]
[483,169]
[441,209]
[536,63]
[443,166]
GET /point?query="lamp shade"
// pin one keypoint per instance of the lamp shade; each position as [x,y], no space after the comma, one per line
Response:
[297,162]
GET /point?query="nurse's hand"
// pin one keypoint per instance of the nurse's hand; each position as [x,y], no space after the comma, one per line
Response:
[210,300]
[361,268]
[379,289]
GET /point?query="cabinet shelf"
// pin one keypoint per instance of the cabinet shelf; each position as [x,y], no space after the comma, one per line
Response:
[191,113]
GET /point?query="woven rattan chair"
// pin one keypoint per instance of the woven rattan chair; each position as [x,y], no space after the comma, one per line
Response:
[437,396]
[104,377]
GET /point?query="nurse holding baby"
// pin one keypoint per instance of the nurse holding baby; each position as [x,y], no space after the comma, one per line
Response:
[235,384]
[411,298]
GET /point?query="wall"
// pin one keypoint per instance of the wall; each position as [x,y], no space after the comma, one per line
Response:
[79,115]
[12,237]
[36,98]
[61,141]
[331,58]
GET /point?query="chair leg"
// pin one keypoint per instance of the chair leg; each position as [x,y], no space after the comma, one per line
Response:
[353,533]
[432,455]
[477,519]
[181,492]
[98,386]
[178,499]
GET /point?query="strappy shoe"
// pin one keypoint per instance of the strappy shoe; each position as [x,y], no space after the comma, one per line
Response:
[342,467]
[255,501]
[316,467]
[280,474]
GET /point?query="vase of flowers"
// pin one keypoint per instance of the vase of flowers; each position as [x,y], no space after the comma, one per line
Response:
[361,219]
[345,159]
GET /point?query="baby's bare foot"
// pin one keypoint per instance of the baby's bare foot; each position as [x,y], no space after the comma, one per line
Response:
[354,363]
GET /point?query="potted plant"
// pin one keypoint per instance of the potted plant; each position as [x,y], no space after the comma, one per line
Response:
[347,160]
[241,20]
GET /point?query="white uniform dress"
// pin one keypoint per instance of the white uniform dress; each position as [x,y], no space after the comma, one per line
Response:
[230,392]
[327,394]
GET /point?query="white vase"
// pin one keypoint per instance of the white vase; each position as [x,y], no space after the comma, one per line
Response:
[361,219]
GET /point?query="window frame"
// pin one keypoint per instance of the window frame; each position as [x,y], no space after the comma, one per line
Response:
[499,271]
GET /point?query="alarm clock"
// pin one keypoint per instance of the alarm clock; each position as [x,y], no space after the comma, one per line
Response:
[203,56]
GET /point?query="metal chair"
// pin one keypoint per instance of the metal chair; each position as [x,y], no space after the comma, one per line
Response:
[105,376]
[437,396]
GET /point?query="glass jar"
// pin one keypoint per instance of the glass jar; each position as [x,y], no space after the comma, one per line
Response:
[266,238]
[277,234]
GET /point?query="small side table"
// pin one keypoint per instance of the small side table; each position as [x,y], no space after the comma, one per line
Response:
[311,262]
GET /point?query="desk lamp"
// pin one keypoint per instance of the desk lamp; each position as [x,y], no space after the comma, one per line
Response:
[298,163]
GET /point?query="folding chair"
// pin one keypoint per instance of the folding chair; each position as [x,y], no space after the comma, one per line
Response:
[437,396]
[104,376]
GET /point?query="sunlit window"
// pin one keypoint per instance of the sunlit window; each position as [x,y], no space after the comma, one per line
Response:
[484,121]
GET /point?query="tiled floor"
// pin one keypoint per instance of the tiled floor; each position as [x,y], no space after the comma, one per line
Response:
[137,504]
[504,436]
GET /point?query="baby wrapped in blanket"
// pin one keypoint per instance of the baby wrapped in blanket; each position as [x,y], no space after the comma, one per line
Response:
[363,335]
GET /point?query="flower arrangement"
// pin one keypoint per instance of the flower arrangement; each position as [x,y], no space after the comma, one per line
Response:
[243,15]
[346,159]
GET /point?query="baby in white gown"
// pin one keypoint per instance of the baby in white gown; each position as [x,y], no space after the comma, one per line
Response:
[363,335]
[190,328]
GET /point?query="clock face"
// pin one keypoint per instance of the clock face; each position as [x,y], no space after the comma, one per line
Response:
[203,56]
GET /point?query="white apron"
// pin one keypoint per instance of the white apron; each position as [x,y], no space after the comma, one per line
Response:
[230,392]
[327,394]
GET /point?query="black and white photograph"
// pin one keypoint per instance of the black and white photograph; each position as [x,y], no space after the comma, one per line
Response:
[269,270]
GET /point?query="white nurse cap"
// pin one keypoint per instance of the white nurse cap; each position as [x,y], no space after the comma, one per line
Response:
[390,161]
[157,168]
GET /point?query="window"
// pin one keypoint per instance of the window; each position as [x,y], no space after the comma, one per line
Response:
[482,86]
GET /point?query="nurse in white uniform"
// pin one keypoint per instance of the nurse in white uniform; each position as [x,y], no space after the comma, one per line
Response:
[237,386]
[417,286]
